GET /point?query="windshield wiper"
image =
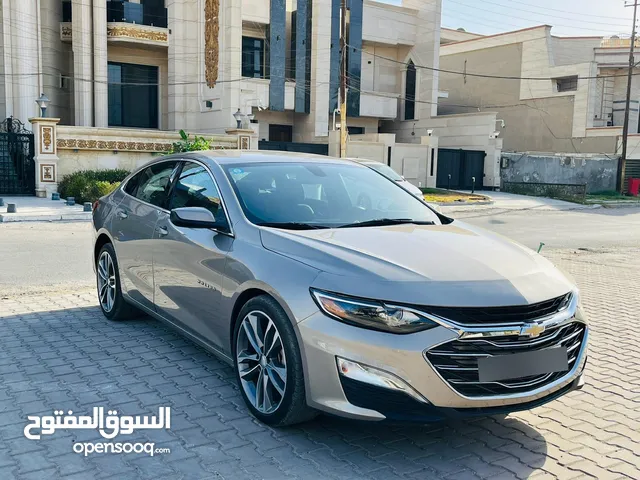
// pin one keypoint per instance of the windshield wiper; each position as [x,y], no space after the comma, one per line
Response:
[380,222]
[292,225]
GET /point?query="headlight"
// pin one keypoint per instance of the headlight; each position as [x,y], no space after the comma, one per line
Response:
[371,314]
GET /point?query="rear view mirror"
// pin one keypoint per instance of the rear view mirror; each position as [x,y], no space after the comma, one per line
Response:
[193,217]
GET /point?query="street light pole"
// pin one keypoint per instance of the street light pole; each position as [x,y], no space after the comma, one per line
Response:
[625,128]
[343,79]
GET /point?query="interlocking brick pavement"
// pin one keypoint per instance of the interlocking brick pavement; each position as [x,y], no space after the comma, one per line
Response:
[58,351]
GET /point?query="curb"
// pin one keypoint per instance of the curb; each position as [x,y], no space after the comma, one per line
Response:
[621,205]
[66,217]
[463,204]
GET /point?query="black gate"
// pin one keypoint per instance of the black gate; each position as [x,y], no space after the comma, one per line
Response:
[457,168]
[17,166]
[316,148]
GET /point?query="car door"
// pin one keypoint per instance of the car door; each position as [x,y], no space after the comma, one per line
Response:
[189,262]
[133,226]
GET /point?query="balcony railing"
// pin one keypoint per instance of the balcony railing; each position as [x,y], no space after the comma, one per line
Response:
[150,13]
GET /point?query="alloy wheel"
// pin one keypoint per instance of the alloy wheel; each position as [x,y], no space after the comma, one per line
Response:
[106,282]
[261,362]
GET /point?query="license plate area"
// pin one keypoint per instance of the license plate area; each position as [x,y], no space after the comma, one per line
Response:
[525,364]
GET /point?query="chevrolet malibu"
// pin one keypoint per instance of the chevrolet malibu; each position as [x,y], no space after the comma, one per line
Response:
[388,310]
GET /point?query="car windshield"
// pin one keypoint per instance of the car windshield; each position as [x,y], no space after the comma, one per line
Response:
[300,195]
[386,171]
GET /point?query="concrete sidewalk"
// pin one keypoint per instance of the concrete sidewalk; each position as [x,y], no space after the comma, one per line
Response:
[34,209]
[511,201]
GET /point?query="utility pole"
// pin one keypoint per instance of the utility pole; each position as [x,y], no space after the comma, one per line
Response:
[625,128]
[343,79]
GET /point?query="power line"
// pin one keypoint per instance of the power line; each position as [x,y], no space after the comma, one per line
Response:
[480,75]
[546,14]
[493,12]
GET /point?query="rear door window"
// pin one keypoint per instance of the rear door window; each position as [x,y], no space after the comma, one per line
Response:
[154,182]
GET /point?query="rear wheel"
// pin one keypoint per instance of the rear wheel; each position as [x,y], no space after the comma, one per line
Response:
[112,303]
[268,364]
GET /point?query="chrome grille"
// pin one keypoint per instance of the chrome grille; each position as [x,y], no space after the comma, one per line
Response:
[457,361]
[501,315]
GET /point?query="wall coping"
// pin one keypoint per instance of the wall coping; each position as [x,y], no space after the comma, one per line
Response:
[124,139]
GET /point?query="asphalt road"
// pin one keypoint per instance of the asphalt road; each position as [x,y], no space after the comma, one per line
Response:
[43,257]
[38,257]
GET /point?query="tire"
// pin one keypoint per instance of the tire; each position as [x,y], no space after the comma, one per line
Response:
[285,401]
[111,301]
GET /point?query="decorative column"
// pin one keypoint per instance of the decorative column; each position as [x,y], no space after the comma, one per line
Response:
[100,67]
[46,155]
[247,138]
[21,50]
[82,28]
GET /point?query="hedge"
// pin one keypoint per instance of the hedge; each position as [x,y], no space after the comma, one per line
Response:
[90,185]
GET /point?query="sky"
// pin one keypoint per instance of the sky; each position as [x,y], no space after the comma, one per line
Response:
[568,17]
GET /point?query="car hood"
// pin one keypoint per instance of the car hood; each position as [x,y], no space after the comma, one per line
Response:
[454,264]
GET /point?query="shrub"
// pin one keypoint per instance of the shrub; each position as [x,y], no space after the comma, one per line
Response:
[97,189]
[186,145]
[89,185]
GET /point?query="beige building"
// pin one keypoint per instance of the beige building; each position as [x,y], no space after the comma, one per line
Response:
[171,64]
[555,94]
[166,65]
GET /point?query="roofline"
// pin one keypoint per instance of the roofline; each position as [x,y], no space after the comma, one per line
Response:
[496,35]
[578,37]
[459,31]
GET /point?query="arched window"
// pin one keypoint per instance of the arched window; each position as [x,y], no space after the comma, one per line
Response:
[410,92]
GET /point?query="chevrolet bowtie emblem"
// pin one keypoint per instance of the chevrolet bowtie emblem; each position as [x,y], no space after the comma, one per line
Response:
[531,330]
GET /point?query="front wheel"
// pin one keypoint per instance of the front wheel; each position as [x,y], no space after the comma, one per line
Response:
[268,364]
[112,303]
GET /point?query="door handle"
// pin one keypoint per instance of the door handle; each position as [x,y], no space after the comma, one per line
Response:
[162,231]
[122,214]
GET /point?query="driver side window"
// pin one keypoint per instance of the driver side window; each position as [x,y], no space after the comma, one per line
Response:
[195,188]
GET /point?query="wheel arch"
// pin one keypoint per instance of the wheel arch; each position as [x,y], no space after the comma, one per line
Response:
[102,239]
[244,295]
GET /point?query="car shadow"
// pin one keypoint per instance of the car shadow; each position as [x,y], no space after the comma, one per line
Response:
[75,359]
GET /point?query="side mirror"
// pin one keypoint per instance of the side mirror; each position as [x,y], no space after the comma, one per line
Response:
[195,217]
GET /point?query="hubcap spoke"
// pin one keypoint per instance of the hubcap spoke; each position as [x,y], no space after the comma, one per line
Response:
[275,380]
[250,325]
[250,371]
[261,362]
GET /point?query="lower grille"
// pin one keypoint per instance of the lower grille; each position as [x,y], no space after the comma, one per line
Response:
[457,361]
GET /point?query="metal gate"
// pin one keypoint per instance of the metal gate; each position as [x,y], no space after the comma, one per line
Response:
[457,168]
[17,166]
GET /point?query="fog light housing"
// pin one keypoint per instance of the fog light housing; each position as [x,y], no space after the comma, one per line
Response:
[374,376]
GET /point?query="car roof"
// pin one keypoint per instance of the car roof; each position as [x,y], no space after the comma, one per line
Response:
[227,157]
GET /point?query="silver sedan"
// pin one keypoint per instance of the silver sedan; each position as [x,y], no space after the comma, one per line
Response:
[387,310]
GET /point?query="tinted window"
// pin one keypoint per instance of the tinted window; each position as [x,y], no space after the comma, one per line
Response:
[153,183]
[132,184]
[196,188]
[326,195]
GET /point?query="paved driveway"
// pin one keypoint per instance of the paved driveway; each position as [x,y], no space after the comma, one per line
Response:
[57,351]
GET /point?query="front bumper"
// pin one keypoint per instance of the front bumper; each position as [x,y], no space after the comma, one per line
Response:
[324,339]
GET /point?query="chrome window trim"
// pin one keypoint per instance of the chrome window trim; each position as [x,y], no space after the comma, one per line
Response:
[230,233]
